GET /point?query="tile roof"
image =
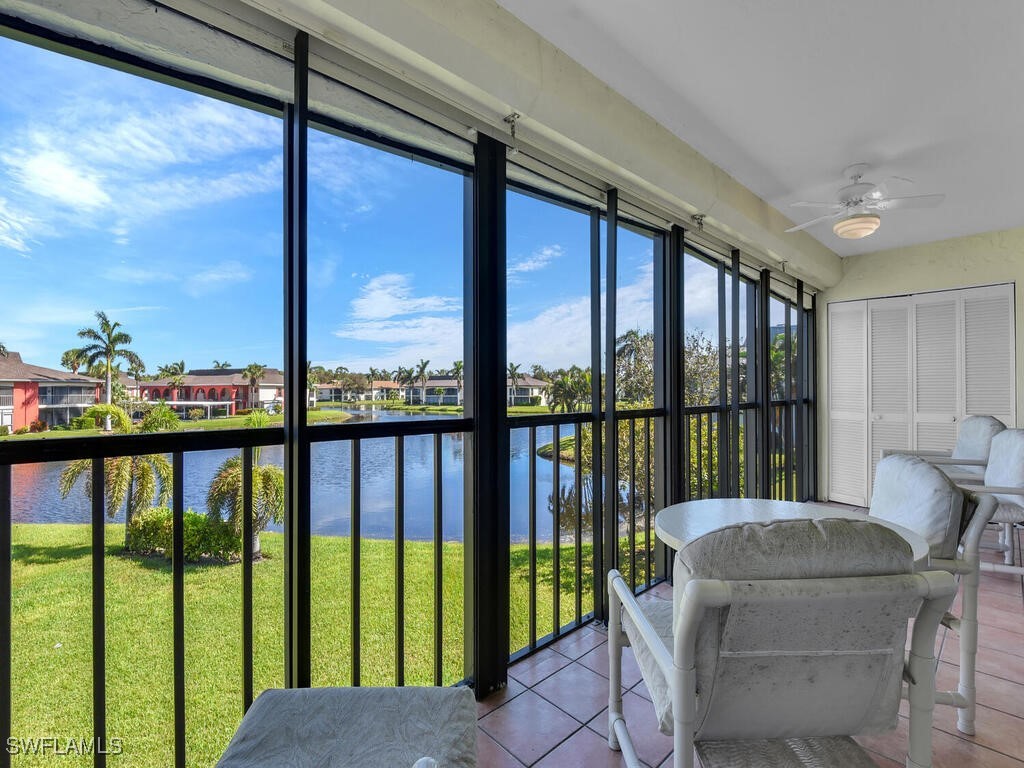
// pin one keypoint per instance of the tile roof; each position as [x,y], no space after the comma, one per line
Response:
[13,368]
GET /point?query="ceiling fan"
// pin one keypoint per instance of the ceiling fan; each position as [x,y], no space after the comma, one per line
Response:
[860,204]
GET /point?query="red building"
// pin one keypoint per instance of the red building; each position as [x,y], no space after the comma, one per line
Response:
[31,393]
[218,391]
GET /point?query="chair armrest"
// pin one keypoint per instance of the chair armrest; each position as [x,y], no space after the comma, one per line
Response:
[947,460]
[981,488]
[648,634]
[922,453]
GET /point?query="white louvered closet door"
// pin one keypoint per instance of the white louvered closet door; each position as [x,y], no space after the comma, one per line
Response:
[937,369]
[989,352]
[889,381]
[848,403]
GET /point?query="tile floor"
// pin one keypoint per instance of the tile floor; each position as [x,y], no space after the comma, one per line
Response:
[553,712]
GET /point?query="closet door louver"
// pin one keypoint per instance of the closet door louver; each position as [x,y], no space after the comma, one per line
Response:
[936,366]
[989,353]
[848,402]
[889,345]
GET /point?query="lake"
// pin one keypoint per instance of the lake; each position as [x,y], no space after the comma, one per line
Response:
[36,494]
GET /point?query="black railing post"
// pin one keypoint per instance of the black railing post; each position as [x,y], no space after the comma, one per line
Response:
[178,601]
[486,526]
[296,438]
[247,692]
[99,638]
[596,460]
[734,379]
[611,431]
[722,412]
[5,613]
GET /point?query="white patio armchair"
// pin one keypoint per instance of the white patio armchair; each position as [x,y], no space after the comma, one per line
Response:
[912,493]
[781,642]
[970,454]
[1004,480]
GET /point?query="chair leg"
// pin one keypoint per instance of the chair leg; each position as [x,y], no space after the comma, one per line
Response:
[1008,551]
[968,651]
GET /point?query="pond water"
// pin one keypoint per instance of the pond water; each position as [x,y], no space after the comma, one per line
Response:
[36,494]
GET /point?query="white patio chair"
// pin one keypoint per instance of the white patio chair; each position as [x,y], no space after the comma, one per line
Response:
[1004,479]
[911,492]
[781,642]
[973,442]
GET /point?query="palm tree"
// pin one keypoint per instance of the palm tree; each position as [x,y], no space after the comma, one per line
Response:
[514,377]
[3,350]
[172,369]
[456,373]
[404,377]
[254,372]
[225,493]
[177,382]
[221,364]
[134,482]
[73,359]
[108,344]
[422,374]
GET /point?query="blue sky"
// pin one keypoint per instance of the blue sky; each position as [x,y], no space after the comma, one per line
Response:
[163,208]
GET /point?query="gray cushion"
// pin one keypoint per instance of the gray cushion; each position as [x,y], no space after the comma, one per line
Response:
[975,439]
[350,727]
[1006,468]
[911,492]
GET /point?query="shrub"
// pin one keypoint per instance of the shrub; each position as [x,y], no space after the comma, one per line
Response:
[243,411]
[83,422]
[38,426]
[4,430]
[195,413]
[152,532]
[534,399]
[21,431]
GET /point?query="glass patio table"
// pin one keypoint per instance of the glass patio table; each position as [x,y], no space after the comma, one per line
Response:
[680,524]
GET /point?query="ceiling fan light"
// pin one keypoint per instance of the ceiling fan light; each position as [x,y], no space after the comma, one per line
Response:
[857,226]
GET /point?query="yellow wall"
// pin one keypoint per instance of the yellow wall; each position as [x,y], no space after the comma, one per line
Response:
[985,259]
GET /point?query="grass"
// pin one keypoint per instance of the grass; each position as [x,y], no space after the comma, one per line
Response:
[222,422]
[52,648]
[513,410]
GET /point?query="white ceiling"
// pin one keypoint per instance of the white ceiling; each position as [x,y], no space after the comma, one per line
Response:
[783,95]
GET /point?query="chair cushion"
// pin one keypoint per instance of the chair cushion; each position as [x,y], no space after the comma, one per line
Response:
[975,439]
[783,753]
[659,614]
[911,492]
[1006,468]
[368,727]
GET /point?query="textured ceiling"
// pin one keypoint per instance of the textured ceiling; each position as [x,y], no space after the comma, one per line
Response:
[784,95]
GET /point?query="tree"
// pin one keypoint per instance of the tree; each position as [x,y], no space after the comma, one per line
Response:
[700,357]
[225,493]
[422,374]
[107,344]
[3,350]
[132,482]
[439,392]
[634,366]
[177,382]
[221,364]
[73,359]
[514,377]
[456,373]
[172,369]
[254,372]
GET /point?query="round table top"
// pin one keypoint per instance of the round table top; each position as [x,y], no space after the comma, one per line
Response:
[680,524]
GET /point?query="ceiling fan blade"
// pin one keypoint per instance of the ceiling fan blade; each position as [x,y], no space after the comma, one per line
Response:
[805,204]
[812,222]
[912,201]
[881,189]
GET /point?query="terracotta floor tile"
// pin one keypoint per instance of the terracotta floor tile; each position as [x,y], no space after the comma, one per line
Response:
[579,642]
[993,692]
[577,690]
[529,727]
[490,754]
[652,745]
[996,663]
[584,749]
[993,729]
[535,668]
[495,700]
[597,660]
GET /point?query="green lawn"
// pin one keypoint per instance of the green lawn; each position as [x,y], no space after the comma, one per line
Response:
[52,651]
[221,422]
[513,410]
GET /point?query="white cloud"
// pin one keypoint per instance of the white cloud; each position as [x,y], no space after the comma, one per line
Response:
[14,228]
[391,295]
[536,260]
[124,273]
[54,175]
[216,277]
[403,342]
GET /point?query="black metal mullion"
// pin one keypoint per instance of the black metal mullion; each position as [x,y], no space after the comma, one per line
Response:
[247,684]
[532,535]
[751,423]
[632,504]
[178,598]
[667,441]
[678,360]
[812,395]
[355,539]
[611,442]
[438,562]
[734,380]
[486,507]
[6,609]
[296,439]
[647,501]
[596,458]
[99,640]
[787,430]
[763,371]
[722,443]
[400,560]
[801,391]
